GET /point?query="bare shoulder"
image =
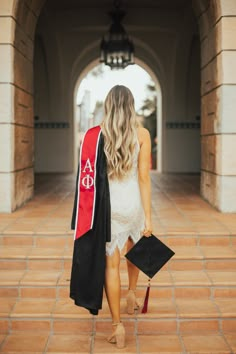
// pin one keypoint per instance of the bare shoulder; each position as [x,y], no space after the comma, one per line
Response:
[143,135]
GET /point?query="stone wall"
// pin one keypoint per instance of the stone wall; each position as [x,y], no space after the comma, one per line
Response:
[17,22]
[217,23]
[162,41]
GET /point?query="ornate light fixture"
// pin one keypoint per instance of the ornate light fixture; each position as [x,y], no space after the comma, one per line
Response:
[117,49]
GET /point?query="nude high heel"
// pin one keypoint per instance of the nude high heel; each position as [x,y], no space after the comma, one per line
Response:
[118,336]
[132,303]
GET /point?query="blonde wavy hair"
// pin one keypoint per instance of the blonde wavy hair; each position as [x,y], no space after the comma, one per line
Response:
[119,128]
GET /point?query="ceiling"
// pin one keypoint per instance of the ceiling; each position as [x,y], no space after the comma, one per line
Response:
[157,4]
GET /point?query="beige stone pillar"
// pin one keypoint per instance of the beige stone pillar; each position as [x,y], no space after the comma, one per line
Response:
[7,185]
[218,108]
[17,23]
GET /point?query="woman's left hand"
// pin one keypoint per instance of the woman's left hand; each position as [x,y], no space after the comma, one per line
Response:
[148,229]
[147,233]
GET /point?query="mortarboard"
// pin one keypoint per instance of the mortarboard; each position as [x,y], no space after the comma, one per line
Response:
[149,254]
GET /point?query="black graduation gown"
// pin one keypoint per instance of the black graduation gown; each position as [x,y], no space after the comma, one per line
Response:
[89,256]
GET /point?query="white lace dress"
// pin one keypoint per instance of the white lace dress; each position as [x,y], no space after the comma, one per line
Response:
[127,215]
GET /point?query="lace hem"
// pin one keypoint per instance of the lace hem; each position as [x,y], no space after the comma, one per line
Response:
[119,240]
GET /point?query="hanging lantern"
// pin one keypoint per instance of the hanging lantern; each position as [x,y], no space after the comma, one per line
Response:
[117,49]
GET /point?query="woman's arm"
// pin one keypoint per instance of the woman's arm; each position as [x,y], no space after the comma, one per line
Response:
[144,177]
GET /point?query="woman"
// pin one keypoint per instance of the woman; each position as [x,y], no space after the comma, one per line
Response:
[128,149]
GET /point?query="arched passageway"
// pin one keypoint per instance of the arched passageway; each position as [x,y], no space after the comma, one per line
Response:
[94,83]
[163,44]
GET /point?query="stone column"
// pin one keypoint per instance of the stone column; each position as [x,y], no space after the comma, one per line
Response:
[7,181]
[17,23]
[218,108]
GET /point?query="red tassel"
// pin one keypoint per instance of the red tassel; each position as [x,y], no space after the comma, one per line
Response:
[145,305]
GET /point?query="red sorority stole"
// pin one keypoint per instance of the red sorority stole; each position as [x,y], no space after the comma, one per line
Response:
[87,182]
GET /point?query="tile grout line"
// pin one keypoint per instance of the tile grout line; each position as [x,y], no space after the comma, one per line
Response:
[222,334]
[47,343]
[211,285]
[4,340]
[180,336]
[137,344]
[93,334]
[173,286]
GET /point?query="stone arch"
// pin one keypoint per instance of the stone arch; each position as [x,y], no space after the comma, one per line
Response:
[89,56]
[218,87]
[138,61]
[144,57]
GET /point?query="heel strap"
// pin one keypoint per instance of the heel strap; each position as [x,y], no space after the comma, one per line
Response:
[117,323]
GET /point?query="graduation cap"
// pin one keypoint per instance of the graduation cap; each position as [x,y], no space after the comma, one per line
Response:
[149,254]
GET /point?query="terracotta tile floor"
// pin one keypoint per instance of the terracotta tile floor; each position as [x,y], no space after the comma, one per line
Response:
[192,300]
[177,208]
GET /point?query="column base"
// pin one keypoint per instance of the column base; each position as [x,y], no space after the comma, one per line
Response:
[219,191]
[16,188]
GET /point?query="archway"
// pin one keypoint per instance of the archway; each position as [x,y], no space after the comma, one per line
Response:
[146,58]
[218,174]
[158,110]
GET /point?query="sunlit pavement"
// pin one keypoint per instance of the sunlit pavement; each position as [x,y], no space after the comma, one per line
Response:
[192,307]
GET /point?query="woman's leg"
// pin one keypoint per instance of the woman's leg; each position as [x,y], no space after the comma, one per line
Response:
[133,271]
[112,284]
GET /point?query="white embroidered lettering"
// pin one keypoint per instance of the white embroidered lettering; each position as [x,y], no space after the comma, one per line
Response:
[88,166]
[87,181]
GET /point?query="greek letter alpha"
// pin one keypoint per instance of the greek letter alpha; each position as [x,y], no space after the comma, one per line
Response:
[88,166]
